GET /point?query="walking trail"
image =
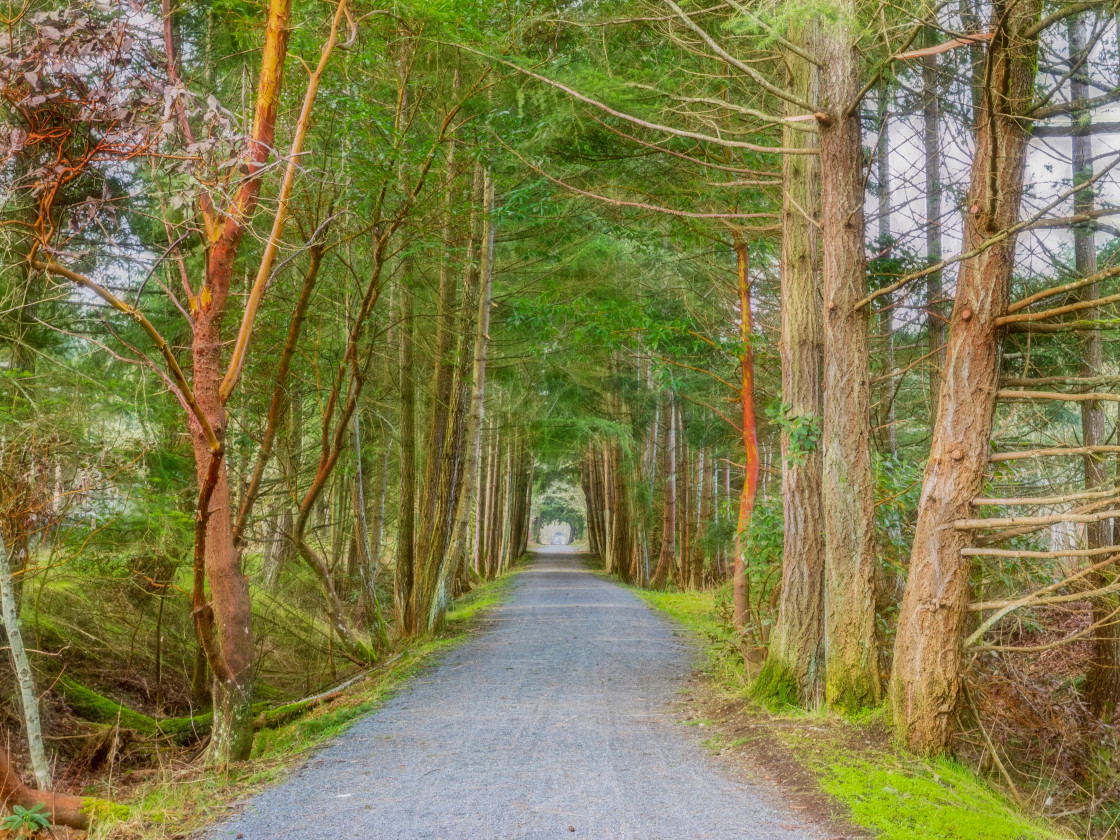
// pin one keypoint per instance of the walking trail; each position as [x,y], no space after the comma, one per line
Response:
[557,716]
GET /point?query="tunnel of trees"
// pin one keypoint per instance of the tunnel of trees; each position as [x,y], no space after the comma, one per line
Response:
[315,314]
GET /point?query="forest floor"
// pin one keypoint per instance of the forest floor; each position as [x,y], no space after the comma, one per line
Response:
[560,718]
[831,767]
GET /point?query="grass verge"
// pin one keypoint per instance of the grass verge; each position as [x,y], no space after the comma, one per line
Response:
[884,790]
[180,799]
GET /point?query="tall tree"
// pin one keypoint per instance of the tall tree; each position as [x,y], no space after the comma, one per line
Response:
[1103,681]
[797,641]
[926,675]
[851,655]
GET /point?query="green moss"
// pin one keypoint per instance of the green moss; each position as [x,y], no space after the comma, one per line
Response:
[91,706]
[99,809]
[850,693]
[776,685]
[906,799]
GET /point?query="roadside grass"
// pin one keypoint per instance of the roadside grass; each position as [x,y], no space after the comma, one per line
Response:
[179,799]
[888,791]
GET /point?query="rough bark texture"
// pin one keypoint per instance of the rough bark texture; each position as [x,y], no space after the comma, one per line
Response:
[366,559]
[926,683]
[851,666]
[797,640]
[469,506]
[437,492]
[489,539]
[886,328]
[703,516]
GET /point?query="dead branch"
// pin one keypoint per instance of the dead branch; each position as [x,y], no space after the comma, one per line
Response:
[1013,521]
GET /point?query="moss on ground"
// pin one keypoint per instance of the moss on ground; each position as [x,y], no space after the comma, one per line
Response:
[886,790]
[180,803]
[939,800]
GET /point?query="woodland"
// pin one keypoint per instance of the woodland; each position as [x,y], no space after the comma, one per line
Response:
[314,316]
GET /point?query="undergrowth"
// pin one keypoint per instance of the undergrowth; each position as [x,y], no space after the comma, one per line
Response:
[886,790]
[179,800]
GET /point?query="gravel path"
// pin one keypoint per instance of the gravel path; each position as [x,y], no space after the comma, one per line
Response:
[557,716]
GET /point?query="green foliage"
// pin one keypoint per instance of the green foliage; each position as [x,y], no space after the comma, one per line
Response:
[803,430]
[26,822]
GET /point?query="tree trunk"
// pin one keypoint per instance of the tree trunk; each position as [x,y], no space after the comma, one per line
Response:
[703,518]
[506,530]
[225,624]
[231,738]
[668,494]
[381,487]
[493,500]
[367,563]
[852,666]
[684,506]
[622,520]
[886,240]
[740,580]
[434,493]
[795,666]
[469,506]
[439,563]
[406,519]
[926,682]
[931,137]
[1102,687]
[9,614]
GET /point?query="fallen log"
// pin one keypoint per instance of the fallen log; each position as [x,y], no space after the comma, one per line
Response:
[64,810]
[282,714]
[94,707]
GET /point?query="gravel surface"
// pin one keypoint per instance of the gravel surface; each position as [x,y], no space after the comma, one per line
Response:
[555,721]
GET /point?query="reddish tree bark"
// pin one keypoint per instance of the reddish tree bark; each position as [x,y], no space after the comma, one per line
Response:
[739,582]
[229,614]
[64,810]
